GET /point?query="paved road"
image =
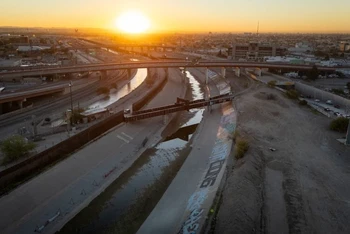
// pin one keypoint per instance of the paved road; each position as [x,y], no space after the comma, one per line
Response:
[71,184]
[159,64]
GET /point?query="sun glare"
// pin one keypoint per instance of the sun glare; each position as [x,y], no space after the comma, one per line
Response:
[132,22]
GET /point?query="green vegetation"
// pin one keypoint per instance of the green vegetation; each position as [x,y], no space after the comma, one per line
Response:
[303,102]
[320,53]
[103,90]
[338,91]
[114,86]
[272,83]
[15,147]
[271,96]
[292,94]
[339,124]
[313,73]
[241,147]
[77,116]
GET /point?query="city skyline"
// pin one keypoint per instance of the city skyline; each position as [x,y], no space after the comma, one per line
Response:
[195,16]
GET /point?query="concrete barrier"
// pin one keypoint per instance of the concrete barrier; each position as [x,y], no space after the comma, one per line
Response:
[60,151]
[26,168]
[150,95]
[322,95]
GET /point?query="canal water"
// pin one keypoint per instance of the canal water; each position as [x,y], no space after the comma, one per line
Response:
[135,82]
[126,203]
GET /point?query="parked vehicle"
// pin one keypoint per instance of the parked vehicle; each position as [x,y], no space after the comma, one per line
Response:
[329,102]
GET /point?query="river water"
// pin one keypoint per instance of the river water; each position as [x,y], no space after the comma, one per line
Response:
[127,202]
[135,82]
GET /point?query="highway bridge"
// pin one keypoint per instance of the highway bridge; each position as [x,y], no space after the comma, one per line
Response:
[104,67]
[160,64]
[22,95]
[98,45]
[179,106]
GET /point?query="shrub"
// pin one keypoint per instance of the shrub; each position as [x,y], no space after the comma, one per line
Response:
[292,94]
[271,97]
[103,90]
[303,102]
[241,147]
[272,83]
[338,91]
[114,86]
[235,135]
[15,147]
[339,124]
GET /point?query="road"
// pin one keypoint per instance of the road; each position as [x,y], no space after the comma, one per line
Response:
[82,176]
[160,64]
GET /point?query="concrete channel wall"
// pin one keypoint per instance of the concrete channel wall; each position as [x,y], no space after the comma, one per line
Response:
[196,184]
[322,95]
[57,152]
[63,149]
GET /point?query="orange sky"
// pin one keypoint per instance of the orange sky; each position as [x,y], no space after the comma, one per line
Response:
[185,15]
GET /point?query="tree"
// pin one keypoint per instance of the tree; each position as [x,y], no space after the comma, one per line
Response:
[272,83]
[327,57]
[15,147]
[313,73]
[348,85]
[339,124]
[220,54]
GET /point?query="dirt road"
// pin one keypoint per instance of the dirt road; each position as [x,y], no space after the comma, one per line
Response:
[302,187]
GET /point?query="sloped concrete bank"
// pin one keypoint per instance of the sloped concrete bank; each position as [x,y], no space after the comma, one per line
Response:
[185,205]
[28,167]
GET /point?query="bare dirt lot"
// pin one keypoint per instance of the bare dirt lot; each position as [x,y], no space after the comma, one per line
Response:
[302,187]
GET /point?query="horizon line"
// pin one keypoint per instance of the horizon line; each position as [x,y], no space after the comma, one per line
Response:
[175,31]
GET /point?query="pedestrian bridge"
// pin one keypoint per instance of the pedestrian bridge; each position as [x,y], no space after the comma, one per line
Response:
[180,105]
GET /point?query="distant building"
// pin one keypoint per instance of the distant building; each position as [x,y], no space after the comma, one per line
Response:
[344,46]
[254,51]
[300,48]
[14,39]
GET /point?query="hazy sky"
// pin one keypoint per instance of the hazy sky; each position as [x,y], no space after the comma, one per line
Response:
[184,15]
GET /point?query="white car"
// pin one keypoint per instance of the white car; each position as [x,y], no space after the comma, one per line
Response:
[329,102]
[317,100]
[127,111]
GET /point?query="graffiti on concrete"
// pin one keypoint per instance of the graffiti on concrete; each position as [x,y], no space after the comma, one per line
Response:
[192,223]
[212,173]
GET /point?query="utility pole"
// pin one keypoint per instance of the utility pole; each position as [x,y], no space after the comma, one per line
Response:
[347,141]
[71,102]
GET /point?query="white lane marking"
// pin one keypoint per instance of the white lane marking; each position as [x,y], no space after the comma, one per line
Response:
[126,135]
[123,139]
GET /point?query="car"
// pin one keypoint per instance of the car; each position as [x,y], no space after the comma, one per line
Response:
[337,114]
[317,100]
[337,106]
[327,109]
[127,111]
[329,102]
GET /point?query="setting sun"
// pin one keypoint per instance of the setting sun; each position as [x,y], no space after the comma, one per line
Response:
[132,22]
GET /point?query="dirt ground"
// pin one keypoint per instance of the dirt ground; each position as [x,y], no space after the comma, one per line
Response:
[302,187]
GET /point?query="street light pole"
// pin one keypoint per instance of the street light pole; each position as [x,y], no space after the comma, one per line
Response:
[71,103]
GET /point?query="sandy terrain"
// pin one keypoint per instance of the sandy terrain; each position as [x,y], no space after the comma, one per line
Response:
[302,187]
